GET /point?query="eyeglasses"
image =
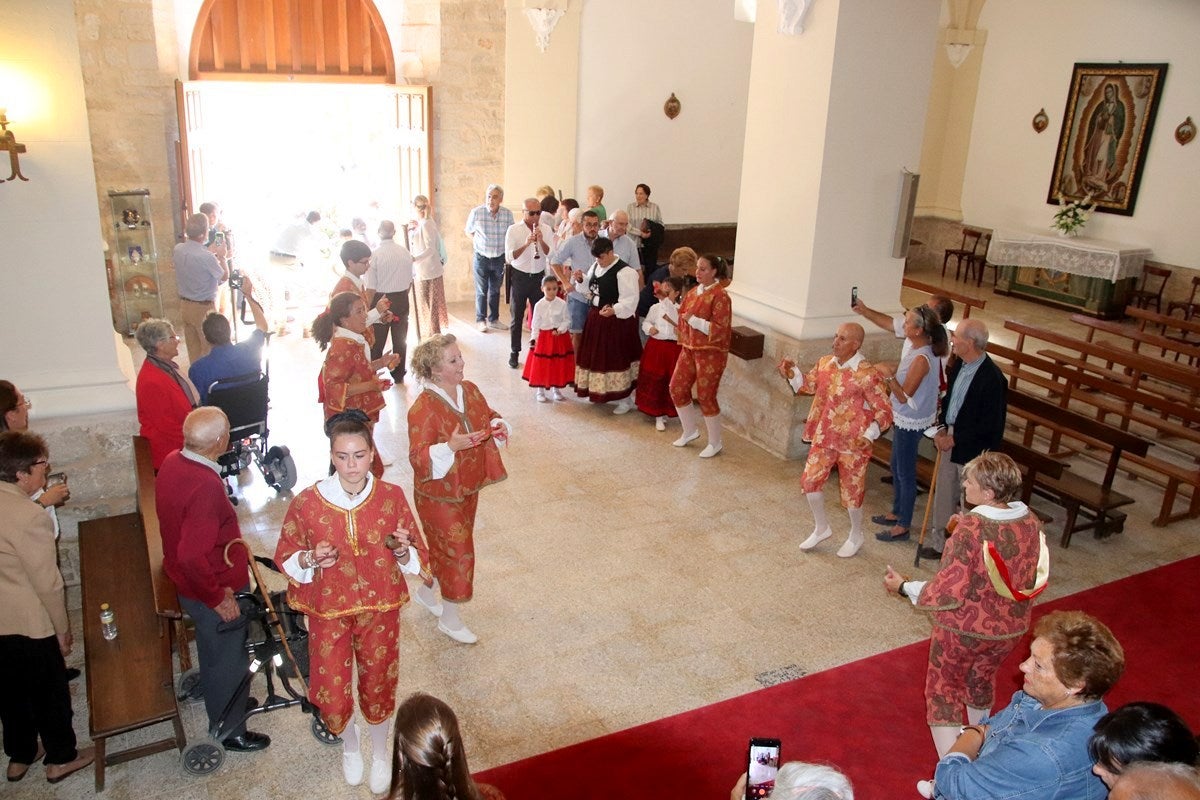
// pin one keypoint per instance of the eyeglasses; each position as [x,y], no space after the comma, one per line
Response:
[26,403]
[532,212]
[45,461]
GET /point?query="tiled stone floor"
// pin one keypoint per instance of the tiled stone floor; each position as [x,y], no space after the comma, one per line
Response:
[619,580]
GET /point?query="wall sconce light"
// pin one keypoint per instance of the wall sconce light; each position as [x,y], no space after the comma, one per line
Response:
[8,141]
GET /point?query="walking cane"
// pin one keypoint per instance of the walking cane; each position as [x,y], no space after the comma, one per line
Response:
[937,462]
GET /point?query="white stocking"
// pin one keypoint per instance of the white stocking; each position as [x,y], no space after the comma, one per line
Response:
[976,714]
[944,737]
[816,501]
[350,743]
[450,616]
[379,741]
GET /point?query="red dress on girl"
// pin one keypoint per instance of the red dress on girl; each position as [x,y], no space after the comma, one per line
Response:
[446,484]
[658,361]
[551,362]
[354,606]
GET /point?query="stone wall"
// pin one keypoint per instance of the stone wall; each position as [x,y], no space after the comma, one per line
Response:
[96,452]
[468,139]
[128,53]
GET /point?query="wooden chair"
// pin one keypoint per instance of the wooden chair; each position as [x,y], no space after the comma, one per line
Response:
[970,243]
[1147,295]
[977,263]
[1189,306]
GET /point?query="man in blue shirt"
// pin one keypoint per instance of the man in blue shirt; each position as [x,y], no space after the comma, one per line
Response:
[225,359]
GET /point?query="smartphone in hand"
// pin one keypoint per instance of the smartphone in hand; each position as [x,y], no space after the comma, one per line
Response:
[853,296]
[762,764]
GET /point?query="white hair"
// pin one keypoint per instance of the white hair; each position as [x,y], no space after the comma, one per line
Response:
[203,428]
[798,780]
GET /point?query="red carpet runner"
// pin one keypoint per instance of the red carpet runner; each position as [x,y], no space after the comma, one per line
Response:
[866,717]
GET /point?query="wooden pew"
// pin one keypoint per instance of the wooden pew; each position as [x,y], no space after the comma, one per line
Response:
[1137,337]
[1075,493]
[130,681]
[965,300]
[1156,376]
[166,601]
[1182,330]
[1064,382]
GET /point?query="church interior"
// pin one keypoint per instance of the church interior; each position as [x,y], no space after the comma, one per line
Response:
[620,580]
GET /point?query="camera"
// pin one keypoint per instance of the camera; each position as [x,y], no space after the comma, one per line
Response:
[235,279]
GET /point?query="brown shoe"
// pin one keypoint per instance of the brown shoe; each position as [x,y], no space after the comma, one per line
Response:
[17,770]
[84,757]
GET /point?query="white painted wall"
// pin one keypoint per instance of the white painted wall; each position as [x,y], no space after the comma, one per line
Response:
[59,344]
[1032,46]
[633,55]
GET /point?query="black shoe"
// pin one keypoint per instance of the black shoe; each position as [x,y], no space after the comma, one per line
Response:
[251,703]
[512,360]
[398,376]
[72,673]
[888,536]
[248,742]
[929,553]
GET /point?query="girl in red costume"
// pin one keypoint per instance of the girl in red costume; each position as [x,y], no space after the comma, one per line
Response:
[452,435]
[705,323]
[344,545]
[348,378]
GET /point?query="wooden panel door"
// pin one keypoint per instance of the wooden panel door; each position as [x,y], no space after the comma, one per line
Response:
[413,137]
[189,105]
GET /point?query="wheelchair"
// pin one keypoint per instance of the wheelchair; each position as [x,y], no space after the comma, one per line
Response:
[244,399]
[277,647]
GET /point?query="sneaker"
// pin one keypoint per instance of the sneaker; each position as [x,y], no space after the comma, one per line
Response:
[540,396]
[481,326]
[925,789]
[497,325]
[555,394]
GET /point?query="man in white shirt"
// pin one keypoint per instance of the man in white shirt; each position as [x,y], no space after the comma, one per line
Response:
[390,275]
[527,248]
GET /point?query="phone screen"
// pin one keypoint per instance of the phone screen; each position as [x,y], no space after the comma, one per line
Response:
[853,296]
[762,764]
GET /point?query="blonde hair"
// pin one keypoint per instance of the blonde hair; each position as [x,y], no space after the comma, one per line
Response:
[997,472]
[598,191]
[685,258]
[429,353]
[544,191]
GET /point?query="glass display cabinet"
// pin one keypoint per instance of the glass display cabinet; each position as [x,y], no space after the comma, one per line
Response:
[133,261]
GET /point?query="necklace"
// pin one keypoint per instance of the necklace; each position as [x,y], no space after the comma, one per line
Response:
[354,492]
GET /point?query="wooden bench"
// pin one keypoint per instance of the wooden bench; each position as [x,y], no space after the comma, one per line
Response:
[1137,337]
[166,601]
[1075,493]
[1182,330]
[1108,397]
[965,300]
[130,684]
[1158,377]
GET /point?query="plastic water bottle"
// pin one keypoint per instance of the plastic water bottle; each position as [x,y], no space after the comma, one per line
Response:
[108,622]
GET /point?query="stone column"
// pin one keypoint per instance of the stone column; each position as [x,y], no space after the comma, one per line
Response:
[835,114]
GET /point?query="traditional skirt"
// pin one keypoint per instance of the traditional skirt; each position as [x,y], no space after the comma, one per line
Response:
[432,315]
[606,366]
[551,362]
[654,377]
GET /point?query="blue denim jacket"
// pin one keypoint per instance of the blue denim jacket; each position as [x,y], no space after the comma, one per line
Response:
[1030,752]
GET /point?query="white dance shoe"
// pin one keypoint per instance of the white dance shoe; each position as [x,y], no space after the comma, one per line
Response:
[816,538]
[462,634]
[352,768]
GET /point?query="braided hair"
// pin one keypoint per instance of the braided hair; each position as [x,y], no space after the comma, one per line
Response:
[428,762]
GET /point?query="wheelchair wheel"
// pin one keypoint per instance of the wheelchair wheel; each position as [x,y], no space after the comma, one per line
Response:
[203,758]
[190,687]
[282,469]
[323,734]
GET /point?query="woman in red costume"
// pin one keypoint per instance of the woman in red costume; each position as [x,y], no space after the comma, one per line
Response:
[452,435]
[344,545]
[981,598]
[705,323]
[348,378]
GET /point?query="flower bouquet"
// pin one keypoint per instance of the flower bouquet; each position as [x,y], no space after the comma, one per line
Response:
[1071,217]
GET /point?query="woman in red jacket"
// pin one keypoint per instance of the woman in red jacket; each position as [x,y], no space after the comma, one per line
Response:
[164,396]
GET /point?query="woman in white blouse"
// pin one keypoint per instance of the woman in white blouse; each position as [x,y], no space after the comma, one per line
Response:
[428,268]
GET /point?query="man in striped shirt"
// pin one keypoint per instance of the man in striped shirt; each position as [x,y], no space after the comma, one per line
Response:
[487,226]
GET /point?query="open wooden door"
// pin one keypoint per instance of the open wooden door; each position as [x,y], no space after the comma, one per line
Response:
[189,150]
[414,142]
